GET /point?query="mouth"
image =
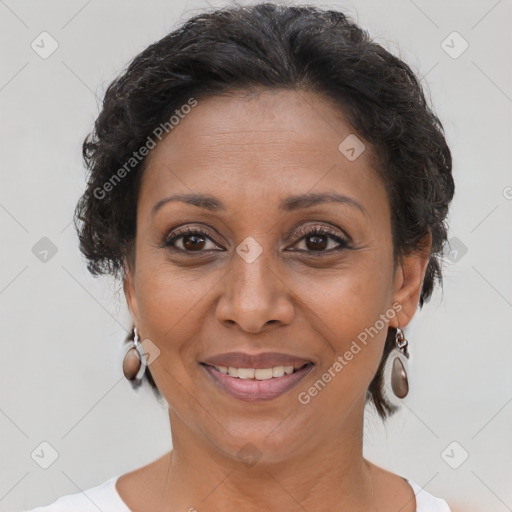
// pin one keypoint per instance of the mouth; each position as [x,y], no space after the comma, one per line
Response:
[257,384]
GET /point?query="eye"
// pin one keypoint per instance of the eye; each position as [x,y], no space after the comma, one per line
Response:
[317,239]
[191,240]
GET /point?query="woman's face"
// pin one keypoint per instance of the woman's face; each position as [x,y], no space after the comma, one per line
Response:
[253,277]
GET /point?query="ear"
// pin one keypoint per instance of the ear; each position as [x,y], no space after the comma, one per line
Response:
[409,281]
[129,292]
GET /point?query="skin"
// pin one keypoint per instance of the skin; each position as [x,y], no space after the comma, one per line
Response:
[251,152]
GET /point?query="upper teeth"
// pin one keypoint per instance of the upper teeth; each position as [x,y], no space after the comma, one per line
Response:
[256,373]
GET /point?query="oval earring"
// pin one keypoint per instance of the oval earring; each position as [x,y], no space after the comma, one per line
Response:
[134,362]
[399,381]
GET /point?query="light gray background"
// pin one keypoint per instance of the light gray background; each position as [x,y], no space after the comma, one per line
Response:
[62,330]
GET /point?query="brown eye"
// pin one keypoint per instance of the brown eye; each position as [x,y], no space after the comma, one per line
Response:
[191,240]
[318,240]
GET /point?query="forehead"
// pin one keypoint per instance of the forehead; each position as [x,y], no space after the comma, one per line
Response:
[261,146]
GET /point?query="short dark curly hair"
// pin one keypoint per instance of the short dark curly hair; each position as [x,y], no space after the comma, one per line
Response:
[267,47]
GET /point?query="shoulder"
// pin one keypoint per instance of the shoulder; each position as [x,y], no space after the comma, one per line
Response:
[103,497]
[425,502]
[400,491]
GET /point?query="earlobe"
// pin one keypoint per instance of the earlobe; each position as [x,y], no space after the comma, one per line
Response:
[409,281]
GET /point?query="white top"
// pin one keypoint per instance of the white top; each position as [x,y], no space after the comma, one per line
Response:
[104,497]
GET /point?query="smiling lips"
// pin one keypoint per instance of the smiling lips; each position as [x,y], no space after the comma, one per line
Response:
[256,377]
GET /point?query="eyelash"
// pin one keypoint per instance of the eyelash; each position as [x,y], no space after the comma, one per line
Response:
[302,232]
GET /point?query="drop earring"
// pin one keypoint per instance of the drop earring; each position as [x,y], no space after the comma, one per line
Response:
[134,362]
[399,381]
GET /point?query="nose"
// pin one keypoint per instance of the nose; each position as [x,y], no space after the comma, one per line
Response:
[254,296]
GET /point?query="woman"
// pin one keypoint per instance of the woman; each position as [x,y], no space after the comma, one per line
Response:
[271,187]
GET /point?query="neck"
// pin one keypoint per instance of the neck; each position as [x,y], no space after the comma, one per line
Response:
[332,473]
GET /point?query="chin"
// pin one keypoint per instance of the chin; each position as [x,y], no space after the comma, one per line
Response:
[268,442]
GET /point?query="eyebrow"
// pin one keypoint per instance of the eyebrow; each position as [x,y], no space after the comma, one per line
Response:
[291,203]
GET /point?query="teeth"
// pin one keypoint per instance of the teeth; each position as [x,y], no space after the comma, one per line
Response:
[278,371]
[256,373]
[263,373]
[245,373]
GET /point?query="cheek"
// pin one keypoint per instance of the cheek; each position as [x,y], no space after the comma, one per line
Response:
[169,304]
[351,298]
[167,294]
[355,310]
[168,307]
[355,335]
